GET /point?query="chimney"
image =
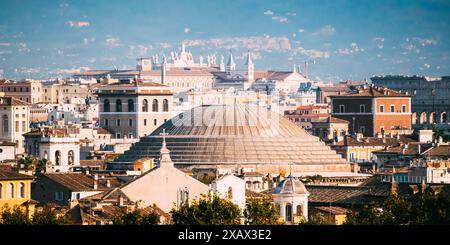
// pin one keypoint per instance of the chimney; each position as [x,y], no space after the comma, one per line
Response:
[108,183]
[120,200]
[394,186]
[95,185]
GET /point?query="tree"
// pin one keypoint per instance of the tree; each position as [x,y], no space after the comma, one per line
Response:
[135,217]
[420,209]
[41,165]
[27,163]
[206,179]
[208,210]
[316,219]
[261,212]
[14,216]
[18,216]
[48,216]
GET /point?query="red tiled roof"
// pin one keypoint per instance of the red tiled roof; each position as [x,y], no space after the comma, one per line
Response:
[6,175]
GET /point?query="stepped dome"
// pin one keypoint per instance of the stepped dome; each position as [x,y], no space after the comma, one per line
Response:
[233,134]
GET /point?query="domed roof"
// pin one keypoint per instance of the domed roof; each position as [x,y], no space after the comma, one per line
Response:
[291,185]
[233,134]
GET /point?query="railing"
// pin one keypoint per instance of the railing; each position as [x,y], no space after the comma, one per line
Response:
[403,179]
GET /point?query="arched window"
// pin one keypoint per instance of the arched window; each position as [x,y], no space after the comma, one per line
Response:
[45,155]
[106,107]
[423,118]
[10,190]
[145,105]
[71,157]
[130,105]
[57,158]
[1,191]
[414,118]
[5,122]
[443,117]
[118,106]
[165,105]
[22,190]
[299,210]
[155,105]
[432,118]
[288,212]
[230,192]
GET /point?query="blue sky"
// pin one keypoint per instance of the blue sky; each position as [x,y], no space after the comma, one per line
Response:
[346,39]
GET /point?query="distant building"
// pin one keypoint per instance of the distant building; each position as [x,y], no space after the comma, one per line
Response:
[333,215]
[29,91]
[291,197]
[55,145]
[65,188]
[430,103]
[7,151]
[14,121]
[400,155]
[323,93]
[374,110]
[230,187]
[134,109]
[304,115]
[330,129]
[15,189]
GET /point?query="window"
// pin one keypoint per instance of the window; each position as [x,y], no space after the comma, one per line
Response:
[78,196]
[118,122]
[22,190]
[118,135]
[155,122]
[165,105]
[5,123]
[59,196]
[392,108]
[57,158]
[145,106]
[362,108]
[106,123]
[130,105]
[352,156]
[299,210]
[362,129]
[24,126]
[130,122]
[71,157]
[288,212]
[130,136]
[403,108]
[341,108]
[106,107]
[145,122]
[10,190]
[155,105]
[381,108]
[363,155]
[118,106]
[17,126]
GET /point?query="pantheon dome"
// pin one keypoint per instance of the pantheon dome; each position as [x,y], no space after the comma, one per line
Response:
[243,135]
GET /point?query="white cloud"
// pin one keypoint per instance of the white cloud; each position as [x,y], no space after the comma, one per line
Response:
[268,12]
[379,41]
[301,30]
[294,34]
[112,42]
[137,50]
[426,65]
[5,44]
[425,41]
[311,53]
[69,71]
[255,43]
[327,30]
[280,19]
[291,14]
[87,40]
[64,5]
[78,24]
[187,29]
[165,45]
[354,48]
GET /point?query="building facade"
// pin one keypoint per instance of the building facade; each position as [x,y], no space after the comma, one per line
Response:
[431,101]
[133,110]
[374,110]
[14,121]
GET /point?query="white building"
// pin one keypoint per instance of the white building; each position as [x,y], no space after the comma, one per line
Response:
[7,151]
[165,186]
[231,187]
[292,198]
[55,145]
[14,121]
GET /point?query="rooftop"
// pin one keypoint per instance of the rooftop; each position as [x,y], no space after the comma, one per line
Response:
[82,182]
[7,175]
